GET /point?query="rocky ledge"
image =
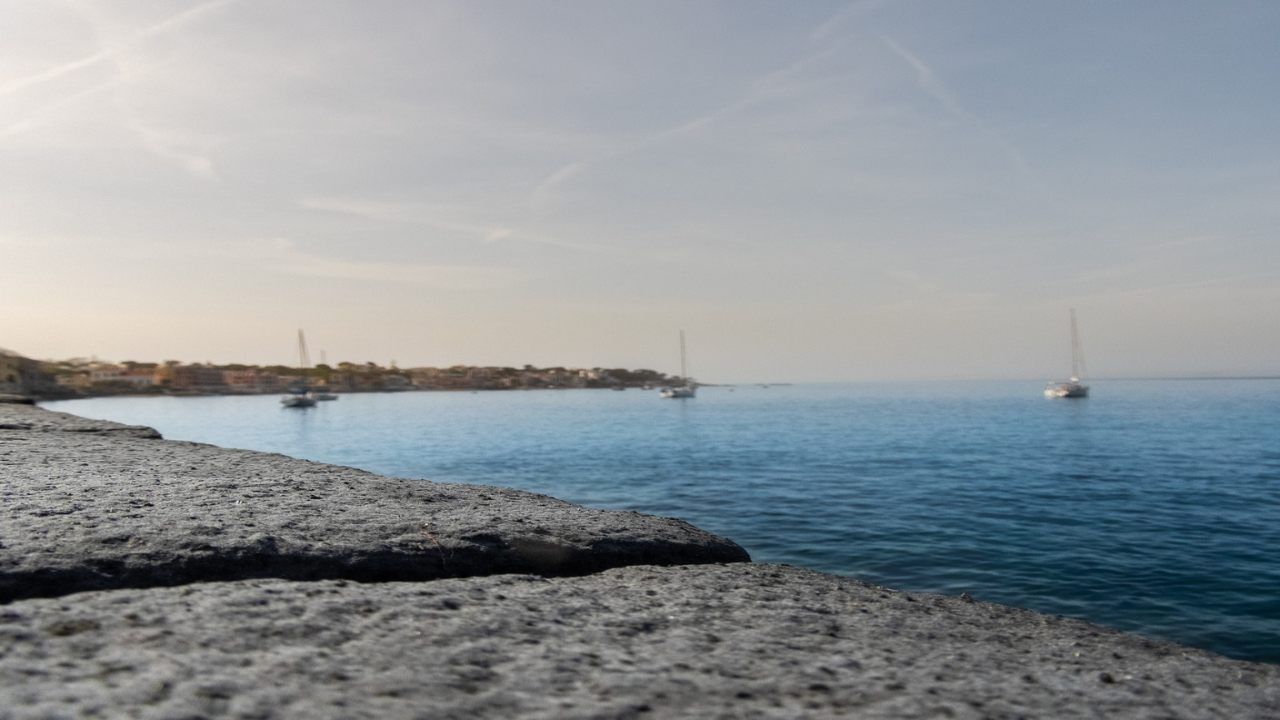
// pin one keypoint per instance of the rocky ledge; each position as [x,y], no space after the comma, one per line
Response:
[91,505]
[149,578]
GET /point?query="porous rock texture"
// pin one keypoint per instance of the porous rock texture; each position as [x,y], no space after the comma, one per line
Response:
[152,579]
[88,505]
[17,413]
[700,642]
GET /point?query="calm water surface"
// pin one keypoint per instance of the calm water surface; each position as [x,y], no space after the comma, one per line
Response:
[1152,506]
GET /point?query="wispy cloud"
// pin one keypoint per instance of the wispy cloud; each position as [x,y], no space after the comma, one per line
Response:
[104,54]
[443,277]
[542,193]
[426,216]
[933,86]
[31,120]
[1181,242]
[172,146]
[833,24]
[285,255]
[1166,263]
[928,81]
[168,144]
[757,90]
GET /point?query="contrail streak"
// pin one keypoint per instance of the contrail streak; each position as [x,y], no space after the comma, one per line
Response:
[159,28]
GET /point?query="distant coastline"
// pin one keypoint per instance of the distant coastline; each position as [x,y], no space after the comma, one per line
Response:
[83,378]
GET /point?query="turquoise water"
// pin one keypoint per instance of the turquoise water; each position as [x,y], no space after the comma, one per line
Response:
[1152,506]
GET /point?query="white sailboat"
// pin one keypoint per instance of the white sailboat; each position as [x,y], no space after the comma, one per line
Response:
[300,395]
[687,388]
[1075,387]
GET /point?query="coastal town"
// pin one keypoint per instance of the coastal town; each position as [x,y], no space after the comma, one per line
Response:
[90,377]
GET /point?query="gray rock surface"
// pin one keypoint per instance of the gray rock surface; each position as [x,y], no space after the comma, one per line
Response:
[88,505]
[143,578]
[19,414]
[710,641]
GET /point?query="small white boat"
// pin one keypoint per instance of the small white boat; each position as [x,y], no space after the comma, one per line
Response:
[1075,387]
[326,396]
[1072,388]
[300,400]
[687,387]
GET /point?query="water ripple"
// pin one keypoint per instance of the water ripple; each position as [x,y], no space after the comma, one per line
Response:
[1152,506]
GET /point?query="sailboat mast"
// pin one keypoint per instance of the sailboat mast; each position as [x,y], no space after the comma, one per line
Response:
[1077,356]
[304,361]
[684,374]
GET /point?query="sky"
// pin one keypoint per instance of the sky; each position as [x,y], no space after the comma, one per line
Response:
[816,191]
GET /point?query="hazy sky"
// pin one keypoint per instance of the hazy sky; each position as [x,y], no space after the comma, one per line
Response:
[812,190]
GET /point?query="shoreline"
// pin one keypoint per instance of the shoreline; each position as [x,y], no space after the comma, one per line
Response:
[146,576]
[40,397]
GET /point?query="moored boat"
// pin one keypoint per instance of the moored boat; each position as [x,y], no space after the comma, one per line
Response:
[1074,387]
[687,388]
[300,395]
[299,400]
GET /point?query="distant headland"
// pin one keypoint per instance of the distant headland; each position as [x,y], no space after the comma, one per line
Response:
[81,377]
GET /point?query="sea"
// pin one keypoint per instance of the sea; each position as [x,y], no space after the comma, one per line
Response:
[1152,506]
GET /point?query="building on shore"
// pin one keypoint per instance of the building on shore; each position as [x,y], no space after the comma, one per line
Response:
[252,381]
[200,378]
[77,381]
[132,375]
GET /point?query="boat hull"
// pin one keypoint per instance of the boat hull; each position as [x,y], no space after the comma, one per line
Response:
[298,401]
[1066,390]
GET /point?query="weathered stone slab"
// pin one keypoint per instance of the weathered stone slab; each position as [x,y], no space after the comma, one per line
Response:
[18,415]
[102,509]
[695,641]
